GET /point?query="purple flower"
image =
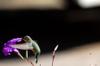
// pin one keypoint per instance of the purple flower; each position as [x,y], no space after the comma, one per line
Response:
[7,49]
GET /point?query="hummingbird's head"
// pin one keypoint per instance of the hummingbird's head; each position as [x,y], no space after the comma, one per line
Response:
[27,39]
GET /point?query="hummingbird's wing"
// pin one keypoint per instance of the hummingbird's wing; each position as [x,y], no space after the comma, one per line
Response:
[23,46]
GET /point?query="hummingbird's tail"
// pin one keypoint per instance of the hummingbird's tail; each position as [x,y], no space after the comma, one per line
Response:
[37,57]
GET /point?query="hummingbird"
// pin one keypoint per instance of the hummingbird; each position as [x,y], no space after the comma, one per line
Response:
[29,45]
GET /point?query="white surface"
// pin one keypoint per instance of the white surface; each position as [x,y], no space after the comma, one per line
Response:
[37,4]
[89,3]
[80,56]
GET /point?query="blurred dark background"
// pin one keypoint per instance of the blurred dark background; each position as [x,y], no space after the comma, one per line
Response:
[69,27]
